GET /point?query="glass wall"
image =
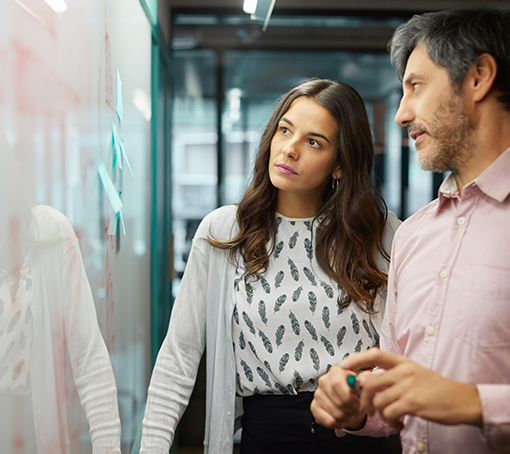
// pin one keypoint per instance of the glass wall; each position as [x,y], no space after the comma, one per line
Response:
[75,107]
[194,148]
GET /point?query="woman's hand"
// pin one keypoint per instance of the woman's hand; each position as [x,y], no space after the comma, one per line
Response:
[335,404]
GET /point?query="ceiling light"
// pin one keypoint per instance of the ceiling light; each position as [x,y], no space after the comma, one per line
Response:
[259,10]
[250,6]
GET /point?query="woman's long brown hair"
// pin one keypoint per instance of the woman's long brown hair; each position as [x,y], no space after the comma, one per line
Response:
[351,218]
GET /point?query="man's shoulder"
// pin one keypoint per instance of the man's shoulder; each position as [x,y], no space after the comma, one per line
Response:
[418,221]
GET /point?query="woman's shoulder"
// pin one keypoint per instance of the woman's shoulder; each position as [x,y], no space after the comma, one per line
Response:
[220,223]
[392,222]
[49,224]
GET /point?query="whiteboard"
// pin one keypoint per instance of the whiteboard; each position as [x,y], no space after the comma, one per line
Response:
[62,78]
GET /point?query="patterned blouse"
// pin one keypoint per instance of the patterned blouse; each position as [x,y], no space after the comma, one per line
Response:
[16,331]
[287,327]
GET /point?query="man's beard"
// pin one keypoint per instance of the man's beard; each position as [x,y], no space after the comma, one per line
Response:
[450,133]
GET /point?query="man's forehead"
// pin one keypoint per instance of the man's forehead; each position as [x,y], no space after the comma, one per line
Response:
[419,63]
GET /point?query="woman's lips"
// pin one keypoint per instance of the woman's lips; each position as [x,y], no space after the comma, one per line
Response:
[286,170]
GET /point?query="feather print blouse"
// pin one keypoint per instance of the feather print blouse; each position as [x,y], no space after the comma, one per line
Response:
[287,327]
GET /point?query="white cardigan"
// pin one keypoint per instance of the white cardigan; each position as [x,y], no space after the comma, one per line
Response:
[64,319]
[202,315]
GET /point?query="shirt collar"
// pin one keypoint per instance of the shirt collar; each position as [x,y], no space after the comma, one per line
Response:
[448,189]
[494,181]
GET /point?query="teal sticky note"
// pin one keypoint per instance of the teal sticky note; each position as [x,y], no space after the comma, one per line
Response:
[111,192]
[122,222]
[114,218]
[116,150]
[119,101]
[124,156]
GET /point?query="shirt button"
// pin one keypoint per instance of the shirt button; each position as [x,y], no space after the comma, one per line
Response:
[431,330]
[461,221]
[421,447]
[444,274]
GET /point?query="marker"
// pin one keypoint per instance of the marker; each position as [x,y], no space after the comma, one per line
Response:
[352,381]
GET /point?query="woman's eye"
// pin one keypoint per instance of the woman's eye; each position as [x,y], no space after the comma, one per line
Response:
[314,143]
[284,130]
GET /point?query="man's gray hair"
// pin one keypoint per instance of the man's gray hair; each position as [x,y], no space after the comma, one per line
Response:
[454,40]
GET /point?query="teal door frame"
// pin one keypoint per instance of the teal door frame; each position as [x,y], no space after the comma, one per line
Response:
[161,200]
[161,210]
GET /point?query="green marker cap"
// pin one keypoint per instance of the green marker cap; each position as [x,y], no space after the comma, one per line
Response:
[351,380]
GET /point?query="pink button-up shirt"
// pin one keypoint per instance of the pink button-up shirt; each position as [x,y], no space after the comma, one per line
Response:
[448,307]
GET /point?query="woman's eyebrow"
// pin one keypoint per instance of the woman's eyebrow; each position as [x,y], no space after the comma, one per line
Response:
[313,134]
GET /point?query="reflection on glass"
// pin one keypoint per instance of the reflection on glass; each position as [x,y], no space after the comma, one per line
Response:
[59,96]
[48,331]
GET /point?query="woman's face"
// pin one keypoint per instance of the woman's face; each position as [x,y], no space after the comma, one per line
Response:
[304,152]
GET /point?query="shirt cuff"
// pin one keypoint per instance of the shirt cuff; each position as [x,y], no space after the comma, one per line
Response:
[374,427]
[495,400]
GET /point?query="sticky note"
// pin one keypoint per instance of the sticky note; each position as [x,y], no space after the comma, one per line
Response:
[124,156]
[122,222]
[115,217]
[119,101]
[111,192]
[116,151]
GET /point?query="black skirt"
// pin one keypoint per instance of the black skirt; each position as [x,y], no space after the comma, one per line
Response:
[279,424]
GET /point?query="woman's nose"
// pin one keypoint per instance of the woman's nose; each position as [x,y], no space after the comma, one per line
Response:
[290,150]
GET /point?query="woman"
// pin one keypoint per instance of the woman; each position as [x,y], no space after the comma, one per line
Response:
[281,286]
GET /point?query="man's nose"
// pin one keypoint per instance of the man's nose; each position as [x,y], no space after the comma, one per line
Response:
[404,114]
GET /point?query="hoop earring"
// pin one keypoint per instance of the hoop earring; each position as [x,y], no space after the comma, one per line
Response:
[334,184]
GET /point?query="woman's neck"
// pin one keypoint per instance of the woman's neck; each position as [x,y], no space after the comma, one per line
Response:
[296,206]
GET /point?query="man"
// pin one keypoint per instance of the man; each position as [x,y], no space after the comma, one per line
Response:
[444,363]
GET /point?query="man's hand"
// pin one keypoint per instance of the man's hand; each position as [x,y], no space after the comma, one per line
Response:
[407,388]
[335,405]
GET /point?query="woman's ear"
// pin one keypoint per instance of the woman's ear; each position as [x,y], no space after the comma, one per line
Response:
[337,174]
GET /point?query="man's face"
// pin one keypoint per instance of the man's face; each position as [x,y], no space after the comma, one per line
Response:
[434,115]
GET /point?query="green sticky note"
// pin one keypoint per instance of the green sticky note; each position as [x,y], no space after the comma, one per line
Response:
[119,101]
[124,156]
[116,151]
[114,218]
[109,188]
[122,222]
